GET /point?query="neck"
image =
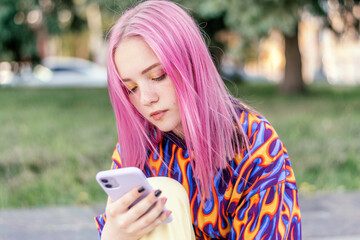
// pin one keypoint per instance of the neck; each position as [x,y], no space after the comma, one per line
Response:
[179,131]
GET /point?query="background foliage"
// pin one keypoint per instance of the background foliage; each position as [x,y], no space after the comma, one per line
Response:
[55,140]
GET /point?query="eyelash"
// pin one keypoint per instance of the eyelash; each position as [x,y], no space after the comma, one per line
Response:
[159,78]
[154,79]
[129,91]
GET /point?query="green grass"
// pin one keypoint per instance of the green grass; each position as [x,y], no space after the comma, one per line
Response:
[319,129]
[53,141]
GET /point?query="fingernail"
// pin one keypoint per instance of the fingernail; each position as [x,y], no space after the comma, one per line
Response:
[140,190]
[163,200]
[157,193]
[169,213]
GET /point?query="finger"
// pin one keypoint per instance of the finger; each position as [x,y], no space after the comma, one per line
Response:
[122,204]
[151,214]
[159,220]
[144,206]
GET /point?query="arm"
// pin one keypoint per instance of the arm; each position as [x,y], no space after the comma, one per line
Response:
[272,213]
[122,222]
[265,193]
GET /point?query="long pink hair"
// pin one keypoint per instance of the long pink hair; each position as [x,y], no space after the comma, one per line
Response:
[213,133]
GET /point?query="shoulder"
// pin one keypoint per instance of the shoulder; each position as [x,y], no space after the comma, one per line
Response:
[263,141]
[256,127]
[251,120]
[263,164]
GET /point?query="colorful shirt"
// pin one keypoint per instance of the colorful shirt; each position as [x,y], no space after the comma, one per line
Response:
[255,197]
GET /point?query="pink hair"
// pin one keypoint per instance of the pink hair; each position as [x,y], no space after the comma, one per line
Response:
[213,133]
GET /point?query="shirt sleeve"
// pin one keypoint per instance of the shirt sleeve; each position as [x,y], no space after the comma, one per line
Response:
[264,203]
[272,213]
[116,163]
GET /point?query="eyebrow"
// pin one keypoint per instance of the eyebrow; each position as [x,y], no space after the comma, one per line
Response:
[145,70]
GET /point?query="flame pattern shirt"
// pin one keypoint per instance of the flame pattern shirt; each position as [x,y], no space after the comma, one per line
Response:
[255,197]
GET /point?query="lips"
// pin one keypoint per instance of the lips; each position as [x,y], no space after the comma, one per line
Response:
[158,114]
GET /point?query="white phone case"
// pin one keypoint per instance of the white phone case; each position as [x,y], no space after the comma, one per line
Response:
[118,182]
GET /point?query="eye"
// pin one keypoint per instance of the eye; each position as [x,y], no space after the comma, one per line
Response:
[131,90]
[159,78]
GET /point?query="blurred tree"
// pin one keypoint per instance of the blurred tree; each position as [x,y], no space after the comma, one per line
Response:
[16,39]
[26,24]
[254,20]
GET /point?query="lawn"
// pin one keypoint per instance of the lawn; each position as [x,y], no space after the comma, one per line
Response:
[53,141]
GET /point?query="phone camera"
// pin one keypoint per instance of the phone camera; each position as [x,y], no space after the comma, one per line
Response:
[108,185]
[104,180]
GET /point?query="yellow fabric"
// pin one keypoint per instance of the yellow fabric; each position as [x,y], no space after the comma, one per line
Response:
[178,202]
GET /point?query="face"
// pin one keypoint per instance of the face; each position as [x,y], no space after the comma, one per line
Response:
[150,89]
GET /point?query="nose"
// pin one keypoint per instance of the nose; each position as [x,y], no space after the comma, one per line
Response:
[148,95]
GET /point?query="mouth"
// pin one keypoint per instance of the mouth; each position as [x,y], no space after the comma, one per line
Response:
[157,115]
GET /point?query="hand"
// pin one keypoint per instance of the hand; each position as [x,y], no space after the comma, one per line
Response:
[132,223]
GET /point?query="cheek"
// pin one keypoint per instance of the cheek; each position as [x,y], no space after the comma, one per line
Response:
[135,102]
[175,103]
[171,94]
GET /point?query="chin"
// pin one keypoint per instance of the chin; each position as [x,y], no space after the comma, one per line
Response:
[165,128]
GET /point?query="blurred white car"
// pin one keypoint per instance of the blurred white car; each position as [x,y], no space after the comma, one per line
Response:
[62,72]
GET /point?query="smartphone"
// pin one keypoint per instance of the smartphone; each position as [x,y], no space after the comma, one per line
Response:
[118,182]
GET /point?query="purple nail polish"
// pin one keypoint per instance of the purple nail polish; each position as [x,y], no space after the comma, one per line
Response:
[157,193]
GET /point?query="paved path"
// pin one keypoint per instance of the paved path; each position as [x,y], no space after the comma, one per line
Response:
[331,216]
[325,216]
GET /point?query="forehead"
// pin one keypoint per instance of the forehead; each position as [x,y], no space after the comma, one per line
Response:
[132,56]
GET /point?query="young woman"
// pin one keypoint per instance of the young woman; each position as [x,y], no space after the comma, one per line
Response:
[177,121]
